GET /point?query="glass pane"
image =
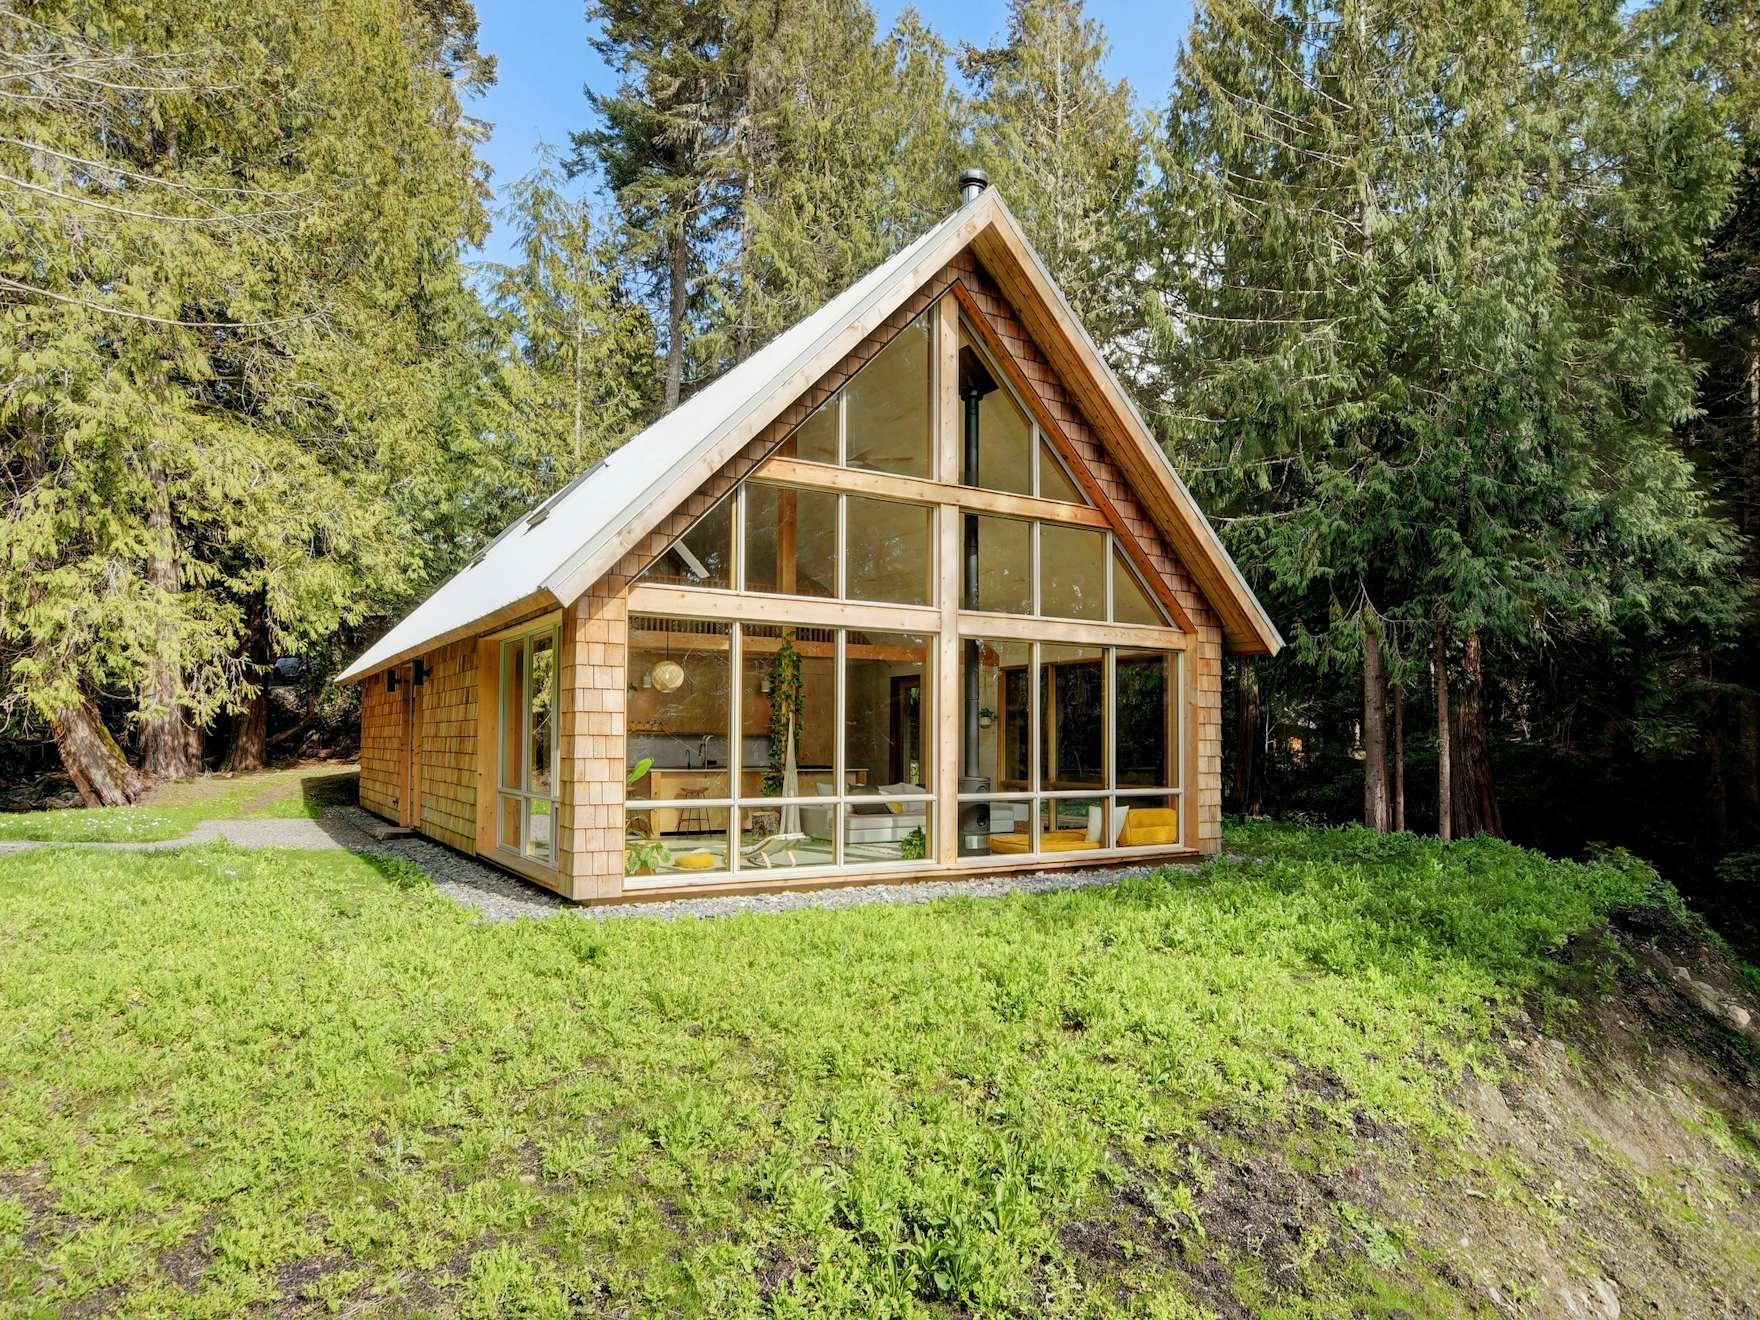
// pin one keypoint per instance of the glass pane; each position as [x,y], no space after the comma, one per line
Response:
[543,708]
[780,837]
[888,732]
[815,440]
[1131,602]
[513,733]
[1072,722]
[1143,719]
[510,813]
[1069,825]
[996,438]
[539,816]
[703,556]
[888,406]
[678,843]
[1000,829]
[1146,822]
[1072,572]
[788,680]
[1002,579]
[900,829]
[887,551]
[995,716]
[679,708]
[1054,482]
[791,540]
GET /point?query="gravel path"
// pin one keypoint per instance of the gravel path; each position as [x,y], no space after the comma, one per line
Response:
[499,896]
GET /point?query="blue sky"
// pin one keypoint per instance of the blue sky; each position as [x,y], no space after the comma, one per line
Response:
[545,61]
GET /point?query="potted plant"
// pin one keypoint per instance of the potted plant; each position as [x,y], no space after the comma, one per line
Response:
[913,847]
[642,853]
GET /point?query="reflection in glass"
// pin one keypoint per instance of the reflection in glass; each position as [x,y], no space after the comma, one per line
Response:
[791,540]
[773,659]
[543,706]
[887,406]
[1072,824]
[679,709]
[996,828]
[539,816]
[1072,572]
[677,844]
[887,730]
[513,695]
[1054,482]
[998,572]
[1146,822]
[1072,726]
[815,440]
[995,716]
[889,828]
[1143,718]
[996,437]
[887,551]
[1130,599]
[703,556]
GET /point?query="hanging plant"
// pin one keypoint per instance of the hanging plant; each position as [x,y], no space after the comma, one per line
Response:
[785,701]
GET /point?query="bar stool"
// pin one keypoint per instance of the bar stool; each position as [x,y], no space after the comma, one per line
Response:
[693,820]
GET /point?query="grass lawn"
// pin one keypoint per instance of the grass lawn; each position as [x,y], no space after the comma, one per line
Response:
[173,810]
[295,1082]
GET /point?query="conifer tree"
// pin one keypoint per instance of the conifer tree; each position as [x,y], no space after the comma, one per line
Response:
[1066,146]
[222,275]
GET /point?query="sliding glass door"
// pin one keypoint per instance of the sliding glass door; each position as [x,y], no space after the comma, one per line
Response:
[526,737]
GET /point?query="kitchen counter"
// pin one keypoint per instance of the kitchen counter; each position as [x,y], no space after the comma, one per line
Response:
[672,784]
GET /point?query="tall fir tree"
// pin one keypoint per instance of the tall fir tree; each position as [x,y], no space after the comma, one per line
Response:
[1412,336]
[1069,150]
[224,273]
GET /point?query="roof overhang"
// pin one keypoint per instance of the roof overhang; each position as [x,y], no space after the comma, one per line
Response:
[611,510]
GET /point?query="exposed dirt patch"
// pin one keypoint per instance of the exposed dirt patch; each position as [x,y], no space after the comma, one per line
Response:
[1612,1167]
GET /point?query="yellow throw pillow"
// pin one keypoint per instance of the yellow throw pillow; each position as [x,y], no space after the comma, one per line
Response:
[695,861]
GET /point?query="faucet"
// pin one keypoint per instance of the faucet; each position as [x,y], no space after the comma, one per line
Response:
[703,748]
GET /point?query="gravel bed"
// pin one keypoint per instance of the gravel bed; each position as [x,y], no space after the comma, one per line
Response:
[500,896]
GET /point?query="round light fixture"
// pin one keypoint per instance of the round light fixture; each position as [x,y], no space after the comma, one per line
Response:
[668,675]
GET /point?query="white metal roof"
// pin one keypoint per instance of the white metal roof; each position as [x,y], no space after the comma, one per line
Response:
[553,554]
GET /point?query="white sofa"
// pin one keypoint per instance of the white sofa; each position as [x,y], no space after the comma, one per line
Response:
[869,822]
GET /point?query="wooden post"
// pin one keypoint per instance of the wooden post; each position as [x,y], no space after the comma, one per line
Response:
[947,571]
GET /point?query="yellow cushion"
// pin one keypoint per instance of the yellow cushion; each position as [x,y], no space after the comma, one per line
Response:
[695,861]
[1051,841]
[1149,825]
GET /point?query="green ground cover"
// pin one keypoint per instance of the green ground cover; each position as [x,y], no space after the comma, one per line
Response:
[173,810]
[298,1081]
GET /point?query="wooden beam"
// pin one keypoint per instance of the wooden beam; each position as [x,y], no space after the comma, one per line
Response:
[1003,253]
[488,722]
[1076,631]
[752,607]
[585,569]
[881,485]
[946,708]
[1052,430]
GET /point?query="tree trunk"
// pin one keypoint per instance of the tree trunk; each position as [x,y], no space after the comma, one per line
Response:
[1475,795]
[1444,750]
[93,759]
[165,732]
[580,348]
[250,727]
[1375,814]
[677,305]
[1399,759]
[1246,739]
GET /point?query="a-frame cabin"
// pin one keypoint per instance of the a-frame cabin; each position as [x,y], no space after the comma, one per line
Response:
[924,531]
